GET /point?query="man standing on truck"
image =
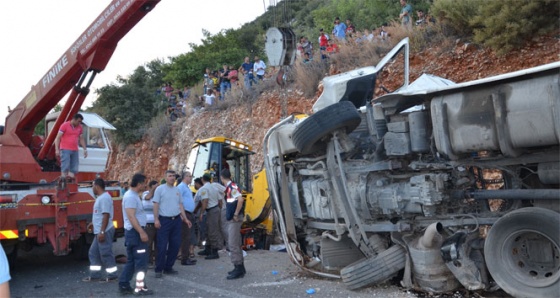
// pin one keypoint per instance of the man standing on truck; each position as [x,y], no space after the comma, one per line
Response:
[135,238]
[234,217]
[101,250]
[66,145]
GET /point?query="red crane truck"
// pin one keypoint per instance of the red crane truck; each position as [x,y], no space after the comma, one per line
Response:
[36,206]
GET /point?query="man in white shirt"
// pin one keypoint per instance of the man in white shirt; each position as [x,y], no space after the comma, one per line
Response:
[259,68]
[209,97]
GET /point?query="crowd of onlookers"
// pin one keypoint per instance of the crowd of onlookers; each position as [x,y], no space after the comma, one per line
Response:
[346,32]
[174,100]
[217,83]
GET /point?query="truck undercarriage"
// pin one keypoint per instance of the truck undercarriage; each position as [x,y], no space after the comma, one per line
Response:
[455,185]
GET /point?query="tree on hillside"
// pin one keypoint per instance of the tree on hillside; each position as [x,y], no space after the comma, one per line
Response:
[131,104]
[365,14]
[215,50]
[504,25]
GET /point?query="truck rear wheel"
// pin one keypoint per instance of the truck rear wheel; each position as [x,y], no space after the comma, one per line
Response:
[374,270]
[308,134]
[11,252]
[522,252]
[80,248]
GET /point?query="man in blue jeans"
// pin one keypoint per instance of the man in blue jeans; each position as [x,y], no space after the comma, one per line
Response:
[168,215]
[225,83]
[66,145]
[136,239]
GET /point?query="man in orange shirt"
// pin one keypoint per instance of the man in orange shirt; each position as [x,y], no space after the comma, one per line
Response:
[66,145]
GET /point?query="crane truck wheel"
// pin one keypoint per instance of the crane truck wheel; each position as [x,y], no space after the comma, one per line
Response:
[374,270]
[522,252]
[11,252]
[80,248]
[310,133]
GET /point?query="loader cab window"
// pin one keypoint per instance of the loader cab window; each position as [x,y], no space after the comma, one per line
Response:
[238,164]
[214,156]
[93,137]
[198,160]
[215,161]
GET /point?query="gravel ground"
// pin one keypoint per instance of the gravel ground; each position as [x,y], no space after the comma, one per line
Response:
[269,273]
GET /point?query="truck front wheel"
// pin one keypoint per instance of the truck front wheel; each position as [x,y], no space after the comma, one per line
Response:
[307,136]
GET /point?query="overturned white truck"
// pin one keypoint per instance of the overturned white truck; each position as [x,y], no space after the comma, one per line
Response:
[446,184]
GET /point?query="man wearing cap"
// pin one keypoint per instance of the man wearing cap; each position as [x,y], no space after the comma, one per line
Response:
[212,203]
[168,215]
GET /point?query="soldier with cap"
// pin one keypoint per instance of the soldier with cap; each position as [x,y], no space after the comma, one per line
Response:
[212,203]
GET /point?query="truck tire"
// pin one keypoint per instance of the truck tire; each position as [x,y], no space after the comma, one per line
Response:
[374,270]
[11,252]
[522,252]
[310,131]
[80,249]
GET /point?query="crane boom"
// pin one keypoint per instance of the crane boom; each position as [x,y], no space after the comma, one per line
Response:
[36,206]
[74,70]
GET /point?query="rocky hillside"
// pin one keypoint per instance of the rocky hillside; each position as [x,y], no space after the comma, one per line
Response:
[248,122]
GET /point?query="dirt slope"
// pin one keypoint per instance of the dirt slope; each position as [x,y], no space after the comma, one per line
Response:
[249,123]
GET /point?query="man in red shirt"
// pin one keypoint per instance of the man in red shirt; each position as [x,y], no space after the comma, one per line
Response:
[323,43]
[66,145]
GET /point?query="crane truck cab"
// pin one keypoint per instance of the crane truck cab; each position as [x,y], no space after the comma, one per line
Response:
[214,154]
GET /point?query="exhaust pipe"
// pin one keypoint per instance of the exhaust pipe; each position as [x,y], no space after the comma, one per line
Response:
[428,268]
[432,236]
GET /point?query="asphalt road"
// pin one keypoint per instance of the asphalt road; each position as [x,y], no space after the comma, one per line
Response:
[269,274]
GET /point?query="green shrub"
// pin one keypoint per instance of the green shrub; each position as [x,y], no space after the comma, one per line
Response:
[457,16]
[307,76]
[505,25]
[159,130]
